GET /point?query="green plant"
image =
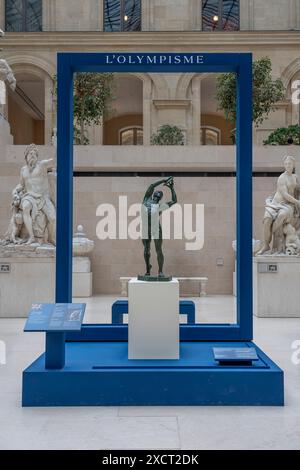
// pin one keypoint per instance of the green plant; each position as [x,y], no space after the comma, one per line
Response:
[266,91]
[168,135]
[282,135]
[93,93]
[80,137]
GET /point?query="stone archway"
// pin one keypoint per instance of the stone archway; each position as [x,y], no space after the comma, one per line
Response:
[127,111]
[290,74]
[203,110]
[32,69]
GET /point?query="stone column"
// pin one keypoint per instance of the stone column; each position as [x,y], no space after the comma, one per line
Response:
[96,15]
[147,111]
[2,14]
[196,15]
[196,110]
[246,15]
[294,14]
[173,112]
[295,114]
[147,15]
[49,12]
[297,15]
[100,130]
[95,134]
[101,15]
[49,110]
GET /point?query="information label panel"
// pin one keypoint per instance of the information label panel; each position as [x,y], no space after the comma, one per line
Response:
[55,317]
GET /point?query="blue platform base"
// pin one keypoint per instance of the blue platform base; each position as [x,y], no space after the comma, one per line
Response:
[99,373]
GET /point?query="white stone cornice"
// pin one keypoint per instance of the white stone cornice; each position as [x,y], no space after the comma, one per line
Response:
[158,41]
[172,104]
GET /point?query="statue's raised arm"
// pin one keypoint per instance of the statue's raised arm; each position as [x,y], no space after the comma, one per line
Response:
[6,74]
[170,184]
[49,163]
[150,190]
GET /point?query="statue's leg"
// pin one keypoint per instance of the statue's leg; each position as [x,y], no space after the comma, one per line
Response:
[147,244]
[278,241]
[267,235]
[284,217]
[160,256]
[14,232]
[279,221]
[49,211]
[27,208]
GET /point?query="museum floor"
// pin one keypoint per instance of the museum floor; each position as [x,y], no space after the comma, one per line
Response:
[151,427]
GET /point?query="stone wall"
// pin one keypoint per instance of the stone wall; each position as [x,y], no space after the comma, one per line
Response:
[274,15]
[171,15]
[173,100]
[114,258]
[166,15]
[73,15]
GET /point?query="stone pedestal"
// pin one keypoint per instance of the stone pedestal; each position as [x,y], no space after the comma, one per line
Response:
[153,319]
[82,277]
[276,287]
[82,272]
[23,281]
[234,280]
[5,136]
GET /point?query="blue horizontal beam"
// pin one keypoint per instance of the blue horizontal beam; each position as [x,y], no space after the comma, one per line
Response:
[152,62]
[108,332]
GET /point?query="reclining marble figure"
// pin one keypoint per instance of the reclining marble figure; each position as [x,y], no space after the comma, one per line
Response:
[33,218]
[282,209]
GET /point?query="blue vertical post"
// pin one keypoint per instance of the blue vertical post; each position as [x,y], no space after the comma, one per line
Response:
[64,180]
[55,350]
[55,341]
[244,199]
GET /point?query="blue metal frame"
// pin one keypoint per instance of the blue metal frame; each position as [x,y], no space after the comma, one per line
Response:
[241,64]
[99,373]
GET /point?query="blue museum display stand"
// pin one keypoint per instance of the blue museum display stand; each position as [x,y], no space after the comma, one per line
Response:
[90,366]
[98,372]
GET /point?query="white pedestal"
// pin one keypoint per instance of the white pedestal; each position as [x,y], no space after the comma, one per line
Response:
[82,284]
[153,319]
[276,288]
[234,280]
[24,281]
[82,277]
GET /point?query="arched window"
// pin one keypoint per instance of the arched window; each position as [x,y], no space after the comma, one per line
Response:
[210,135]
[23,15]
[220,15]
[131,136]
[122,15]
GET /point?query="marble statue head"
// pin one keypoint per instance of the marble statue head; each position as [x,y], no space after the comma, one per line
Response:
[31,155]
[289,163]
[157,196]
